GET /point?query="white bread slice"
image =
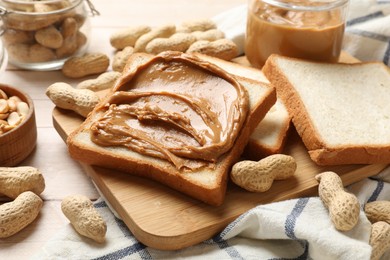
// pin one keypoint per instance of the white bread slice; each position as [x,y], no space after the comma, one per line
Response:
[206,185]
[341,111]
[270,134]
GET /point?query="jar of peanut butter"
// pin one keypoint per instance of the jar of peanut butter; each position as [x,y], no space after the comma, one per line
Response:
[41,35]
[306,29]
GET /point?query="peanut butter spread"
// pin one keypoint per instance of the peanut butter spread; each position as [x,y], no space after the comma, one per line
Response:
[314,35]
[177,108]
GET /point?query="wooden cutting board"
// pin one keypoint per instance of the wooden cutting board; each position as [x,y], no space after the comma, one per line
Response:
[162,218]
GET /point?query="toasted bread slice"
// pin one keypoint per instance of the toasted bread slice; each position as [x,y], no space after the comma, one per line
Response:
[207,185]
[341,111]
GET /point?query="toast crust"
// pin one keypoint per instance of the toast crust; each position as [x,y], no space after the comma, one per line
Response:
[205,185]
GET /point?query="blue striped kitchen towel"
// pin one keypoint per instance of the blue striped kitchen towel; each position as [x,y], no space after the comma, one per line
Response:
[367,35]
[292,229]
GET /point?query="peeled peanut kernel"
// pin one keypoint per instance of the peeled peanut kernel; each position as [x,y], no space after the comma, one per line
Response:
[16,180]
[344,207]
[378,211]
[4,116]
[81,101]
[84,217]
[379,239]
[3,95]
[14,119]
[259,176]
[12,104]
[15,98]
[4,107]
[22,108]
[18,214]
[4,126]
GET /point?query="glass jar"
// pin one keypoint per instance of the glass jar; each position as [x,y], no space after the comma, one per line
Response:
[41,35]
[3,58]
[308,29]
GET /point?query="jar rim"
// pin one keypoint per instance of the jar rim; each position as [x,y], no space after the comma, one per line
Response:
[73,3]
[319,5]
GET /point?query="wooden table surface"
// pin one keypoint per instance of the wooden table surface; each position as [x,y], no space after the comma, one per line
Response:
[64,176]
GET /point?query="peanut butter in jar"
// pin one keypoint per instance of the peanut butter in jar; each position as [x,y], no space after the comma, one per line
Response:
[303,29]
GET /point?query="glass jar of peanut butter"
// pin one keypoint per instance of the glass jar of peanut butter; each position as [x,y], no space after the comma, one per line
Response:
[41,35]
[306,29]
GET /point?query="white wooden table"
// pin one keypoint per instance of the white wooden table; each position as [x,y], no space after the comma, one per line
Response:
[64,176]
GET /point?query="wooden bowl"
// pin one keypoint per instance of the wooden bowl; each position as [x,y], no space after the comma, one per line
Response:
[19,142]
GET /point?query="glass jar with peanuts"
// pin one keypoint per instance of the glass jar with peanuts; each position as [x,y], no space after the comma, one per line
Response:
[42,35]
[3,58]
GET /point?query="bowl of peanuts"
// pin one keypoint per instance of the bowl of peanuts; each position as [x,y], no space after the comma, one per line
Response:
[18,130]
